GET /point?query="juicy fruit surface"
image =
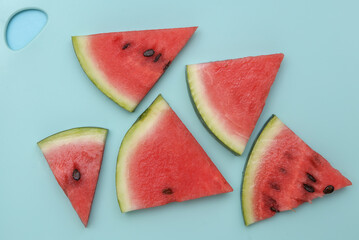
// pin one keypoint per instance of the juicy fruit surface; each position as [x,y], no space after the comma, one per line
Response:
[166,164]
[132,62]
[230,95]
[78,152]
[284,172]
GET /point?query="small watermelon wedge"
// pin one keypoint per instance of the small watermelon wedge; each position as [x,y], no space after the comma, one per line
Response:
[126,65]
[159,162]
[230,95]
[75,158]
[283,172]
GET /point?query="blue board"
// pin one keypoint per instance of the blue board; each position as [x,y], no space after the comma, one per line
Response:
[43,90]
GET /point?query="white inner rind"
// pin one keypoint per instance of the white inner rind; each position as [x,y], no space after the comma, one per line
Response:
[132,139]
[214,120]
[264,141]
[73,135]
[91,68]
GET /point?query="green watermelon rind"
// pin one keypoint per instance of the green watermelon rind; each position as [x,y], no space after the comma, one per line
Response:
[270,129]
[145,123]
[71,135]
[96,75]
[206,114]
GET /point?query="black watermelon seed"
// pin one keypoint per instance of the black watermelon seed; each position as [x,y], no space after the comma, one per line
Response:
[308,188]
[282,170]
[76,175]
[328,189]
[167,191]
[157,57]
[311,178]
[273,209]
[126,46]
[166,66]
[149,53]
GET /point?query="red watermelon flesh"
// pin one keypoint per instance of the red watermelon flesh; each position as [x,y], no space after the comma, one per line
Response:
[75,157]
[284,172]
[126,65]
[161,162]
[230,95]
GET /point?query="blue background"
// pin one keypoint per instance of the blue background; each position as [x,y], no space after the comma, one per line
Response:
[43,90]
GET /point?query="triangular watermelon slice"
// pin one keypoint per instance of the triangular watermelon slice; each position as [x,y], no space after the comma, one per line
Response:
[75,158]
[126,65]
[161,162]
[230,95]
[283,172]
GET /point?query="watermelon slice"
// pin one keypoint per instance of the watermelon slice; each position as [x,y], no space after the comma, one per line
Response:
[283,172]
[75,157]
[126,65]
[161,162]
[230,95]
